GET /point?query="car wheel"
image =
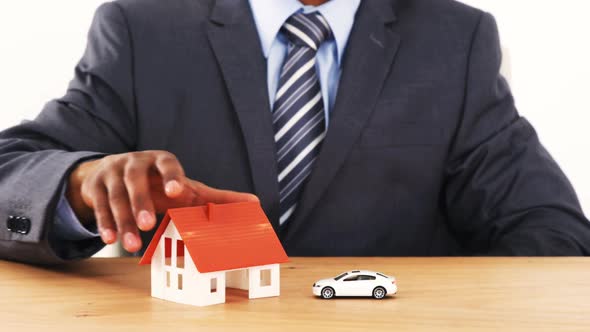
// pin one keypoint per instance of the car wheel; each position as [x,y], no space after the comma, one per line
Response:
[327,293]
[379,293]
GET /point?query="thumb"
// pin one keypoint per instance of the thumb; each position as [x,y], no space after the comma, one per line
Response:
[206,194]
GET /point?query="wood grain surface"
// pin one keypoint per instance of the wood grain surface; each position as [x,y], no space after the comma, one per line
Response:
[435,294]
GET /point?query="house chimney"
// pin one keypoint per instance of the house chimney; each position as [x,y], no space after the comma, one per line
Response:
[210,211]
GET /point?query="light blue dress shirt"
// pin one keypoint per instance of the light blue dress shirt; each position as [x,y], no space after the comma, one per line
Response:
[269,16]
[66,225]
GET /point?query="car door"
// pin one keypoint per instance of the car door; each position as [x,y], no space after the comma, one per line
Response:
[348,286]
[366,284]
[369,283]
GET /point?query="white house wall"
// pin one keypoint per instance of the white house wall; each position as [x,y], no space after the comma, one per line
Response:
[201,294]
[192,280]
[196,286]
[258,291]
[158,277]
[158,267]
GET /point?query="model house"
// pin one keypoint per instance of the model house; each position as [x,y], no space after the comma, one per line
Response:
[197,252]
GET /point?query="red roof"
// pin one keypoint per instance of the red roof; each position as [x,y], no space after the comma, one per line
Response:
[223,237]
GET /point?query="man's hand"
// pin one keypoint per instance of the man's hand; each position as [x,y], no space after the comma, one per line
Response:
[123,193]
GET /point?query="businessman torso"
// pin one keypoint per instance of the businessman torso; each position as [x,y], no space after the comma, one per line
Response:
[199,79]
[425,153]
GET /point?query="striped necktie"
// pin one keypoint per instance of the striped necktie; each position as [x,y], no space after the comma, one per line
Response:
[298,112]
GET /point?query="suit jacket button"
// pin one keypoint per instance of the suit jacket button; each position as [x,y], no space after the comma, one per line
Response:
[21,225]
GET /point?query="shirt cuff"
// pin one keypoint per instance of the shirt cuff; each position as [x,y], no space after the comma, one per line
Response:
[66,225]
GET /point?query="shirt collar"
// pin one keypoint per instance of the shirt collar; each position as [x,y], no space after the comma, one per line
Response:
[271,15]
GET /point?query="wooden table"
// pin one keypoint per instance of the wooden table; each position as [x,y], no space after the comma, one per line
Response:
[435,294]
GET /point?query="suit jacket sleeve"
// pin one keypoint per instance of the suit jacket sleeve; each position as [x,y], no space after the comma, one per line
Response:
[95,117]
[504,193]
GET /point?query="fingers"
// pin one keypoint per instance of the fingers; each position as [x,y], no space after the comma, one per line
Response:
[208,194]
[97,198]
[118,198]
[125,190]
[136,180]
[119,191]
[172,174]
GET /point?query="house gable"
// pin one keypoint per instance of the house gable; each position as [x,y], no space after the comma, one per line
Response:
[223,237]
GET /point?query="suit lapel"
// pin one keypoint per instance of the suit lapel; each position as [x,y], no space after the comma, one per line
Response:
[370,53]
[235,42]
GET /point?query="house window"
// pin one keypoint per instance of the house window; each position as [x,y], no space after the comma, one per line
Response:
[167,251]
[180,254]
[180,281]
[167,278]
[213,285]
[265,278]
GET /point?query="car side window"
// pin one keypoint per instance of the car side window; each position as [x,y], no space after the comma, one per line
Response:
[341,276]
[353,278]
[365,277]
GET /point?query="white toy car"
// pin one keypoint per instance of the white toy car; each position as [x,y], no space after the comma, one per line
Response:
[356,283]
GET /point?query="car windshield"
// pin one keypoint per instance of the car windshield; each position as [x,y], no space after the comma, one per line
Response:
[341,276]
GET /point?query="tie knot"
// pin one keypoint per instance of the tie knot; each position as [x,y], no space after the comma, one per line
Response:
[307,30]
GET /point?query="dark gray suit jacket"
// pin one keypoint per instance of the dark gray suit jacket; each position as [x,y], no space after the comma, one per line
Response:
[425,154]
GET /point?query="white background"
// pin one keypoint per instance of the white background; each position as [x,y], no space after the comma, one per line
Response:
[548,45]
